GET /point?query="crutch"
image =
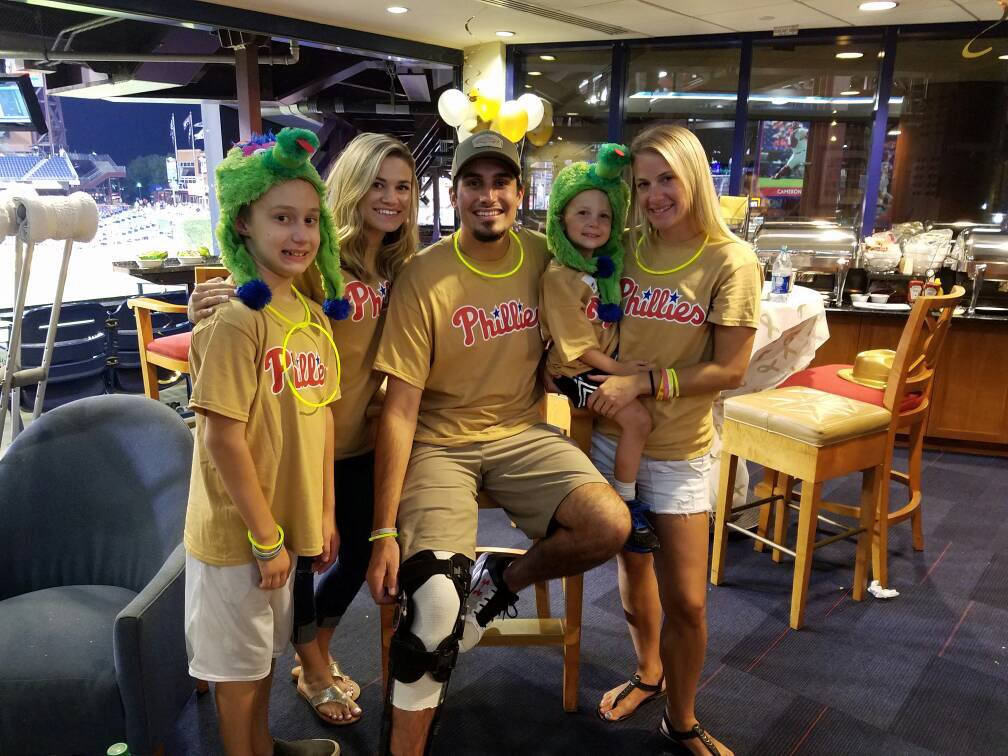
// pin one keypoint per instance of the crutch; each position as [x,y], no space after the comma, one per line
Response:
[72,218]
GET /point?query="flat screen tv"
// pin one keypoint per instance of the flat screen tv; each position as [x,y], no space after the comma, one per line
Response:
[19,107]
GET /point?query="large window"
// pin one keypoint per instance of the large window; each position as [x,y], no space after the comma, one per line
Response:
[695,88]
[945,156]
[809,134]
[577,84]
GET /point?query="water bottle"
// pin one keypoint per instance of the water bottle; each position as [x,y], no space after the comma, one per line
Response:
[780,281]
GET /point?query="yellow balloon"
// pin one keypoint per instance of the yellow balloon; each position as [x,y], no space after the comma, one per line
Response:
[487,108]
[540,135]
[511,121]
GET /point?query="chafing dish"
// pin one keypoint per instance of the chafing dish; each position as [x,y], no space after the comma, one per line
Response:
[821,252]
[985,262]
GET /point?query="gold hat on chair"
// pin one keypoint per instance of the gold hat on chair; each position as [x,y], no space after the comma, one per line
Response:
[871,368]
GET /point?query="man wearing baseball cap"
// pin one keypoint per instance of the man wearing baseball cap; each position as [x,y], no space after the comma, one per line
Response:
[461,348]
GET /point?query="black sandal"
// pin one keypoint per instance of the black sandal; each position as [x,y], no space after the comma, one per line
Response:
[676,737]
[653,691]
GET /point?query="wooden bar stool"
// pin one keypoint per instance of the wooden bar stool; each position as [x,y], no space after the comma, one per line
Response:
[543,629]
[907,396]
[809,436]
[170,352]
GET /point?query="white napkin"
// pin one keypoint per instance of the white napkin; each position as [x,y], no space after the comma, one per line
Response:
[875,589]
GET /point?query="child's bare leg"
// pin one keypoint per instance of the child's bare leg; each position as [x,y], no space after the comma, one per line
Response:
[236,704]
[635,426]
[262,741]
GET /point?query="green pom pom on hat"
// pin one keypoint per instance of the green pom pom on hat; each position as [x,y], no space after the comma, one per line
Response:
[606,264]
[249,171]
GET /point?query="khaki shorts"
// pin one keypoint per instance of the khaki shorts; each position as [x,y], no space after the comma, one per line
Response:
[527,474]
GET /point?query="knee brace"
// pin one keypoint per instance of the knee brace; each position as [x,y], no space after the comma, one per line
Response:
[409,658]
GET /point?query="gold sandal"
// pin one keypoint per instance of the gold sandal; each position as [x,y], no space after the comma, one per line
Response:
[353,689]
[332,694]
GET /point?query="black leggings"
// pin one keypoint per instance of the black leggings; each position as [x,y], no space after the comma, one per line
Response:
[337,587]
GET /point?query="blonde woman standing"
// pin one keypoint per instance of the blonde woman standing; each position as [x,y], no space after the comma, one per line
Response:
[374,198]
[691,292]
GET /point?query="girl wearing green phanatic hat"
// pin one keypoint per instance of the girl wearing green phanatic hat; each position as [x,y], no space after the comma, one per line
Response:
[579,306]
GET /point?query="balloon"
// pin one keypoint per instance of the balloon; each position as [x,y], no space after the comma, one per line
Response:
[540,135]
[486,107]
[466,128]
[453,106]
[533,106]
[511,121]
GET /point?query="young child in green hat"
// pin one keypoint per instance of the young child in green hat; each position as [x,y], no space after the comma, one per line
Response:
[580,307]
[264,370]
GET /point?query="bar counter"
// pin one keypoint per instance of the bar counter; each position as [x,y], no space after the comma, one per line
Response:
[969,403]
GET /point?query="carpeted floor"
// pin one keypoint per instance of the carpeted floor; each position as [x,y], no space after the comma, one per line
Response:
[926,672]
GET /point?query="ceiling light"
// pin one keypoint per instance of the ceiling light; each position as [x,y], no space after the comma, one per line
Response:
[832,138]
[397,9]
[849,55]
[1002,57]
[535,73]
[504,33]
[662,74]
[894,132]
[832,123]
[850,93]
[572,114]
[546,57]
[877,5]
[528,86]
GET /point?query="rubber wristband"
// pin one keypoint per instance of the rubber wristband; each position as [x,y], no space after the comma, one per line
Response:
[265,549]
[376,536]
[675,383]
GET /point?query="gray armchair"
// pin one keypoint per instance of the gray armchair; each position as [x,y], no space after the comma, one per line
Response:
[92,644]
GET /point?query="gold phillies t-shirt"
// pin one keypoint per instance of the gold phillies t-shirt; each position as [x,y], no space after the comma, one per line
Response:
[357,340]
[237,371]
[568,314]
[669,320]
[471,343]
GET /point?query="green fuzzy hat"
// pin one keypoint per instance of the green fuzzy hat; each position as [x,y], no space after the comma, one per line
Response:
[607,263]
[246,174]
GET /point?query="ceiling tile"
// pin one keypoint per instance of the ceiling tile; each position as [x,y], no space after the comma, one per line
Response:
[908,12]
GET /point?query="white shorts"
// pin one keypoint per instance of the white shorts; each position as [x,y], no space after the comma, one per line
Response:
[234,629]
[664,487]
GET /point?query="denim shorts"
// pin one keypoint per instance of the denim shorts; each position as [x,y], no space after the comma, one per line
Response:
[664,487]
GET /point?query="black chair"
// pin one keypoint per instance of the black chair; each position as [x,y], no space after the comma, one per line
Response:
[92,502]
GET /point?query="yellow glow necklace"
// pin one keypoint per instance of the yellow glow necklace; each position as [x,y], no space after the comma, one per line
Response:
[295,327]
[677,268]
[477,271]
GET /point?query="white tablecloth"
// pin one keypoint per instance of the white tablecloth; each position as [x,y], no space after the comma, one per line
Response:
[788,336]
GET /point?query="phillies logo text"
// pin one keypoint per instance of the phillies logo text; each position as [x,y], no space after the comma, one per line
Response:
[364,298]
[307,369]
[591,312]
[507,317]
[660,304]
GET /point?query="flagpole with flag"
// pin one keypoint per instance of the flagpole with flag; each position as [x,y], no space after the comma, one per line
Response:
[188,124]
[171,127]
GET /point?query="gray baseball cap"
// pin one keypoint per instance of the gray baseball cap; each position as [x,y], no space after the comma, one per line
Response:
[486,144]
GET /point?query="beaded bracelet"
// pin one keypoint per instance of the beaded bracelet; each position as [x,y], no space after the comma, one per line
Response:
[265,553]
[383,533]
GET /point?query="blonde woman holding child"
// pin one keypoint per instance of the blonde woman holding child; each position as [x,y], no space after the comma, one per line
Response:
[690,295]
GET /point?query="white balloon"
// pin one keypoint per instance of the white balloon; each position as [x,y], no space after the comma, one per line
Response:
[533,106]
[465,128]
[453,106]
